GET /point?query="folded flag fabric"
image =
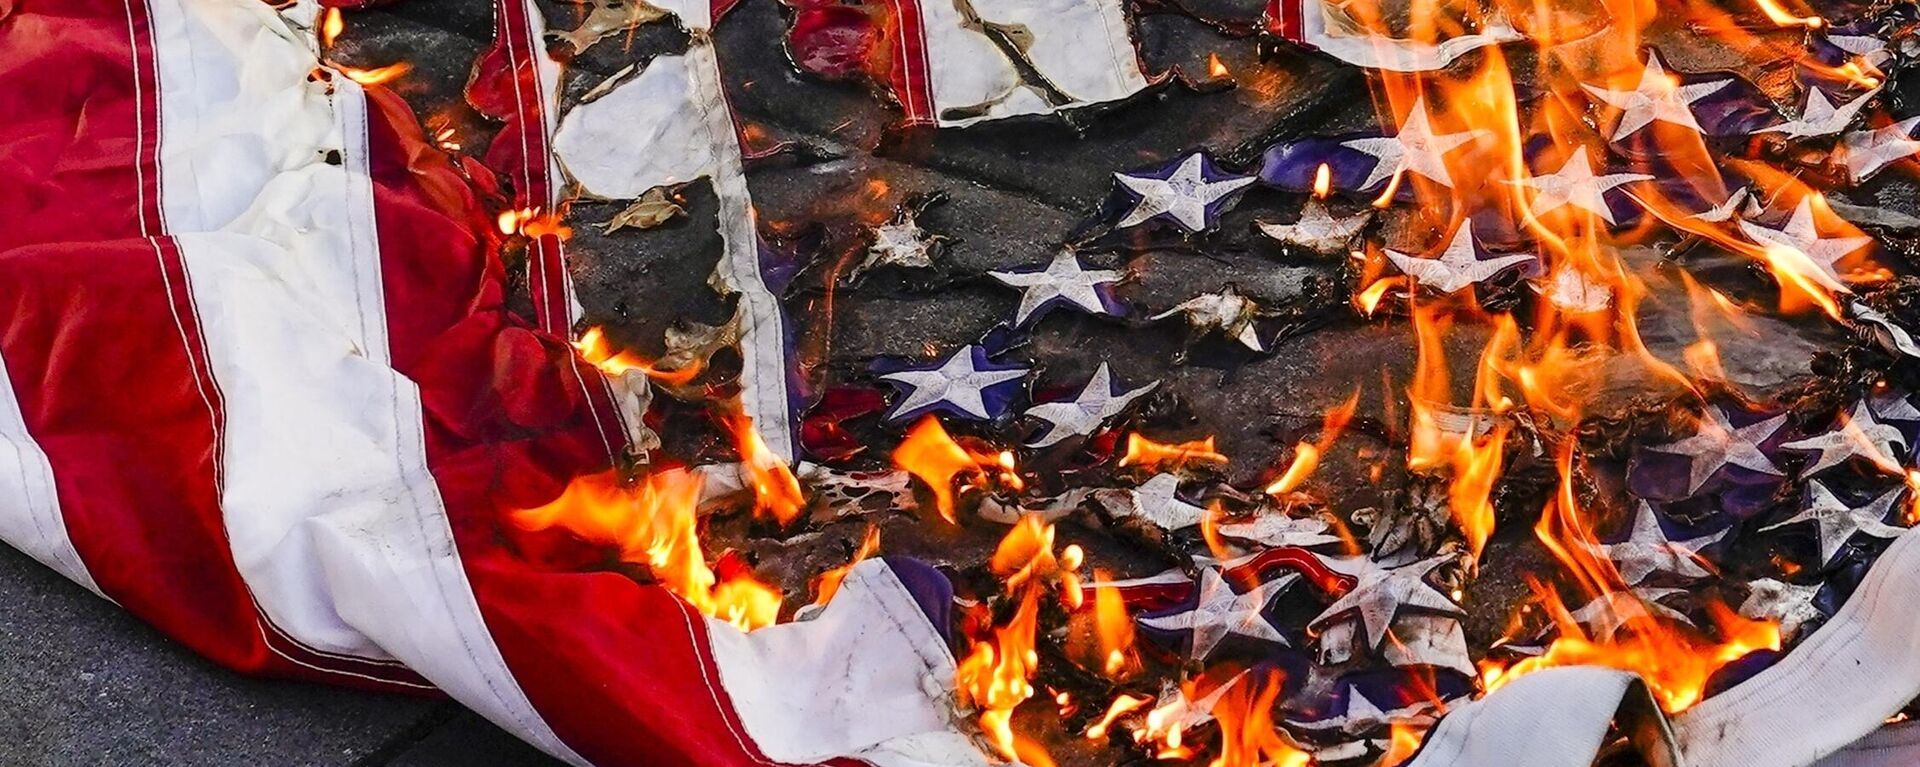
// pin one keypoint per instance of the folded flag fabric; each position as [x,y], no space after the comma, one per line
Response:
[261,390]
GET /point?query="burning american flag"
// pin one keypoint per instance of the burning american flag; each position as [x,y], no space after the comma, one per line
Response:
[918,383]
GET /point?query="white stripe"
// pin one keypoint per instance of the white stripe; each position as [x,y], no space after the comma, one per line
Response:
[867,677]
[670,125]
[29,505]
[1834,688]
[1082,47]
[336,523]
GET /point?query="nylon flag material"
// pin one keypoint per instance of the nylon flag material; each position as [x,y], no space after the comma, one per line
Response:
[260,389]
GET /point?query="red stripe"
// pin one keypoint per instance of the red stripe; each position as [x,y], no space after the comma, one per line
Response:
[1283,20]
[910,72]
[534,186]
[621,671]
[100,330]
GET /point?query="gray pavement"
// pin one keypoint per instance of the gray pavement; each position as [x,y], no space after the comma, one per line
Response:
[84,683]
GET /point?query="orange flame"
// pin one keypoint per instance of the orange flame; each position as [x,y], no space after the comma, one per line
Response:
[931,454]
[775,490]
[376,75]
[1675,660]
[1306,455]
[599,352]
[1151,455]
[653,522]
[1113,629]
[1248,737]
[1215,69]
[996,676]
[828,583]
[1121,706]
[1778,14]
[331,25]
[1322,181]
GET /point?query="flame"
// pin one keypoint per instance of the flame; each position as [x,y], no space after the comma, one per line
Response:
[653,522]
[996,676]
[1783,17]
[1306,455]
[775,490]
[931,454]
[1322,181]
[1675,660]
[1151,455]
[331,25]
[1368,300]
[1248,737]
[1215,69]
[1404,741]
[828,583]
[1121,705]
[1113,630]
[599,352]
[377,75]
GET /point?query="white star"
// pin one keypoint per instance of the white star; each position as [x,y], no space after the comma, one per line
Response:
[1657,97]
[1380,594]
[1717,444]
[900,243]
[1084,413]
[1648,550]
[1226,311]
[1861,436]
[1415,148]
[1801,236]
[1884,330]
[1866,152]
[1615,610]
[1738,203]
[1457,266]
[1836,522]
[1574,184]
[1894,407]
[1220,611]
[1062,280]
[1317,230]
[1819,117]
[1275,529]
[1789,604]
[1183,196]
[1363,715]
[1187,712]
[1158,502]
[1571,291]
[956,382]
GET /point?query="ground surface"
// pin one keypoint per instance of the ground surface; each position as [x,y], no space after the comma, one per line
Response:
[83,683]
